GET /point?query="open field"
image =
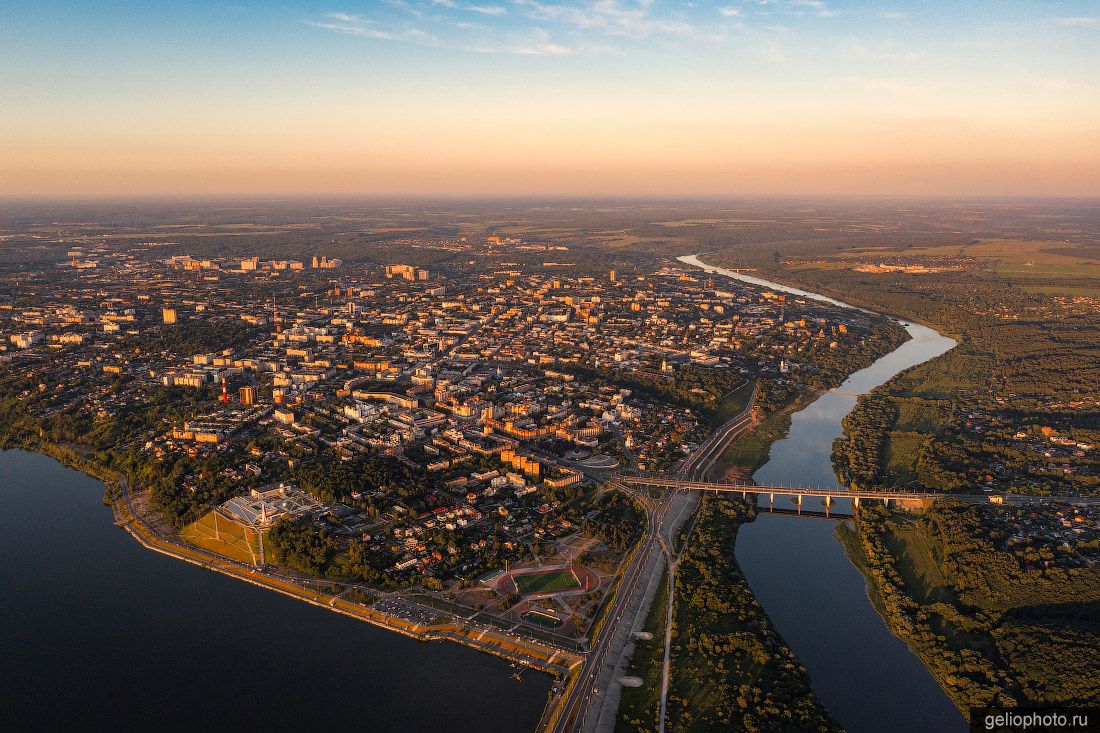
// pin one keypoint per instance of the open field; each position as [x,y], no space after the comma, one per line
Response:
[1039,266]
[917,565]
[639,706]
[921,415]
[901,456]
[733,403]
[1069,291]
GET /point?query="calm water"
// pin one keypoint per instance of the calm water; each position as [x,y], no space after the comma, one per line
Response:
[868,679]
[98,633]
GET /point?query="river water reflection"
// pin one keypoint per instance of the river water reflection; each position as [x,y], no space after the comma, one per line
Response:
[867,678]
[98,633]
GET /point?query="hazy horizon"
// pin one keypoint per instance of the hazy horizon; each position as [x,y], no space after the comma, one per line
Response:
[575,98]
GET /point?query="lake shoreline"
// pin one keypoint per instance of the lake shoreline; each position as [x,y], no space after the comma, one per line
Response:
[157,643]
[556,663]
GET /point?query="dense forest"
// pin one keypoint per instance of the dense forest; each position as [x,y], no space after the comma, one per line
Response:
[192,336]
[992,629]
[616,521]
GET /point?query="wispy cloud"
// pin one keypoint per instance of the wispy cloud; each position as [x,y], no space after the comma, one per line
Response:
[563,27]
[493,10]
[1079,22]
[347,18]
[541,45]
[526,42]
[351,25]
[610,17]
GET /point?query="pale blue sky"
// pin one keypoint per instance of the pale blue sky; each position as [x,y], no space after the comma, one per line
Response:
[428,95]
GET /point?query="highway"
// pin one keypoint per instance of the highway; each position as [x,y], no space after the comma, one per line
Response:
[574,707]
[576,710]
[697,465]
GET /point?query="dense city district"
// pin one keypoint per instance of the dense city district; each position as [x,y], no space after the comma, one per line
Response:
[402,424]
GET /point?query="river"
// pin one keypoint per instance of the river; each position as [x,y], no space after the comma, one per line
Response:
[98,633]
[868,679]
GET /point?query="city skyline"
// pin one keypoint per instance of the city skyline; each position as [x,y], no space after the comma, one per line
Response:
[443,97]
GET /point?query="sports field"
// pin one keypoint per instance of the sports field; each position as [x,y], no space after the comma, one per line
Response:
[549,582]
[542,619]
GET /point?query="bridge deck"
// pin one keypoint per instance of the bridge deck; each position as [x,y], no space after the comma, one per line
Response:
[666,482]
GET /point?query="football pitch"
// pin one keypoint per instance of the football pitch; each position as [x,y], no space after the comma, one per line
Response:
[549,582]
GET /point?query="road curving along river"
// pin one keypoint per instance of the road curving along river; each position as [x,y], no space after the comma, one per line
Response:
[867,678]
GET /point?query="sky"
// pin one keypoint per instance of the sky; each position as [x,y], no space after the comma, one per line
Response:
[550,97]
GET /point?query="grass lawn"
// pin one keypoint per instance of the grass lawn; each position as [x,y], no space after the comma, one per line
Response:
[557,580]
[901,456]
[751,450]
[542,619]
[917,565]
[733,404]
[920,415]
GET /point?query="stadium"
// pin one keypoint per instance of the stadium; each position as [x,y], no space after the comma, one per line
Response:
[544,582]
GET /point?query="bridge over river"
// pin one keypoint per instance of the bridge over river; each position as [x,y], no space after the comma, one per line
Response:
[907,499]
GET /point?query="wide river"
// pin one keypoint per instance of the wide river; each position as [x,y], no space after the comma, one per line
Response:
[867,678]
[98,633]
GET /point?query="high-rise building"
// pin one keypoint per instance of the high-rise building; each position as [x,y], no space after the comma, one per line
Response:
[168,315]
[612,276]
[408,272]
[248,396]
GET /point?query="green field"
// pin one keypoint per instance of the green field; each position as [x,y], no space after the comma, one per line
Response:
[542,619]
[900,459]
[639,706]
[734,403]
[751,450]
[917,565]
[554,581]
